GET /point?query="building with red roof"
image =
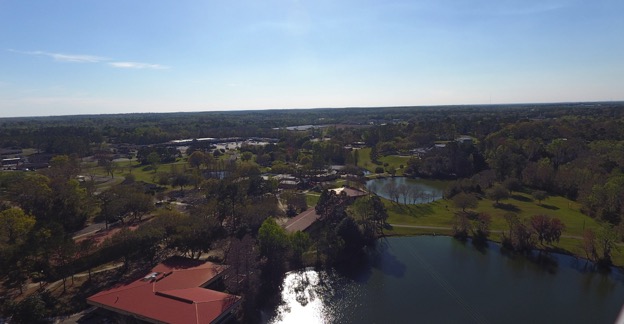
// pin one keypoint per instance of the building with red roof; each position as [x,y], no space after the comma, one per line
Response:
[173,292]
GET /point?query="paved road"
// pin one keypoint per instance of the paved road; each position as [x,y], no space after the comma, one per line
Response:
[52,285]
[89,229]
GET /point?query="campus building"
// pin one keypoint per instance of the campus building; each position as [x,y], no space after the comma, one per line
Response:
[175,291]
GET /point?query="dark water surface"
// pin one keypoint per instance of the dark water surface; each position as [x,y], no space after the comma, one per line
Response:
[441,280]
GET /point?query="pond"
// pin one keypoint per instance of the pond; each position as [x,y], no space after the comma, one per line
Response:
[430,279]
[217,174]
[411,191]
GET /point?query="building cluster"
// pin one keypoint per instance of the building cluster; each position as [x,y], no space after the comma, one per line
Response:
[15,159]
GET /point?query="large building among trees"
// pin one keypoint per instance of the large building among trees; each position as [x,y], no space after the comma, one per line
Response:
[175,291]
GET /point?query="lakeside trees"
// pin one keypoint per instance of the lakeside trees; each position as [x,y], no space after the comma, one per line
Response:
[599,245]
[548,229]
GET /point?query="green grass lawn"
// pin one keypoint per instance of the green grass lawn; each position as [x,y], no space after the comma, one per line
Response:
[312,198]
[140,172]
[394,161]
[440,214]
[364,160]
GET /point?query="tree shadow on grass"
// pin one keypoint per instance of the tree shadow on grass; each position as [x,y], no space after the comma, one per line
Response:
[551,207]
[413,210]
[521,198]
[507,207]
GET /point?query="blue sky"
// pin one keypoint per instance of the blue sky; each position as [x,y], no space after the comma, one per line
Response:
[64,57]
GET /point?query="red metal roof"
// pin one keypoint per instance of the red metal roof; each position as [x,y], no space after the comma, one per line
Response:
[173,294]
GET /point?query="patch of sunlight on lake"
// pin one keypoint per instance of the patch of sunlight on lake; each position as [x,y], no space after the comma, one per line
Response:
[303,304]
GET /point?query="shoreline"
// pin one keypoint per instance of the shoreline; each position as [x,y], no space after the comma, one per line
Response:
[535,249]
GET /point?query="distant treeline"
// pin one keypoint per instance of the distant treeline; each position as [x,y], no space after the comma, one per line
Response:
[73,134]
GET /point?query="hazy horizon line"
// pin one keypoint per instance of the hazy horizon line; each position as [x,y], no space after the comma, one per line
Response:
[317,108]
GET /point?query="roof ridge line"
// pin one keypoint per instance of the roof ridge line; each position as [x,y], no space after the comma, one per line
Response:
[114,290]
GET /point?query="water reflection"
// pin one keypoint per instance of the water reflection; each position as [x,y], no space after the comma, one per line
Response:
[302,301]
[443,280]
[311,296]
[407,191]
[384,259]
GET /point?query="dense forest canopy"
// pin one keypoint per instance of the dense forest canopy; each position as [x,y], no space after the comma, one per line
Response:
[444,121]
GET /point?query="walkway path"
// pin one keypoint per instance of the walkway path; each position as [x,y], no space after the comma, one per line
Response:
[53,285]
[442,228]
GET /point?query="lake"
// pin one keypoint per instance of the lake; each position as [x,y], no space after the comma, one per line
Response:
[435,279]
[421,190]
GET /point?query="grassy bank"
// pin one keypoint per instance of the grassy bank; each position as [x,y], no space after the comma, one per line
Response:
[439,216]
[393,161]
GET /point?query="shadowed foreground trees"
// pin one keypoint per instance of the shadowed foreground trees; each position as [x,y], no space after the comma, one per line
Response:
[274,244]
[33,309]
[371,214]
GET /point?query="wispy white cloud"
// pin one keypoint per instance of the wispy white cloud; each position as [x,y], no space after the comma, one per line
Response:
[61,57]
[137,65]
[78,58]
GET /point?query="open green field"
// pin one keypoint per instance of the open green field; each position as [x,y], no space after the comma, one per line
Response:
[123,168]
[312,198]
[440,214]
[394,161]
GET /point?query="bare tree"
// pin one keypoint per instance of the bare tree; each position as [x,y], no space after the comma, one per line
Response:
[405,191]
[416,195]
[393,191]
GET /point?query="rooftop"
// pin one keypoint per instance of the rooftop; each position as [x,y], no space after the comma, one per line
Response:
[350,192]
[171,293]
[302,221]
